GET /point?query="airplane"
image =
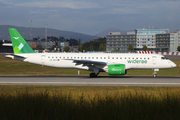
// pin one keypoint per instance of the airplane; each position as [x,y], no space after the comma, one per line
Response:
[112,63]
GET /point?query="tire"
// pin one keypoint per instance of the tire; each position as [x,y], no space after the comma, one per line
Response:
[92,75]
[154,75]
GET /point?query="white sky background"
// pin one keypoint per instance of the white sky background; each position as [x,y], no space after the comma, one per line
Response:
[91,16]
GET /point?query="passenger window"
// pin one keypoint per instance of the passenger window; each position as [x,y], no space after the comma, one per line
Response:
[104,57]
[116,57]
[96,57]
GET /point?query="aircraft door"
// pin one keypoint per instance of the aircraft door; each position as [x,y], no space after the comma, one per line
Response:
[43,59]
[154,60]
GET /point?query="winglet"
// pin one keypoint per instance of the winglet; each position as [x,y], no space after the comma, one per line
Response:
[18,42]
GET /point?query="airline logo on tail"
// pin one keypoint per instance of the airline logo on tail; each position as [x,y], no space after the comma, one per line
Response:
[16,38]
[20,46]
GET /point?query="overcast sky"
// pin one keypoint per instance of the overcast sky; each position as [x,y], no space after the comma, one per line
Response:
[91,16]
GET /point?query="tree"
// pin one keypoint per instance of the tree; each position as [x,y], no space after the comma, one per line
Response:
[93,45]
[101,48]
[178,48]
[116,50]
[81,48]
[52,48]
[148,49]
[131,49]
[66,49]
[144,48]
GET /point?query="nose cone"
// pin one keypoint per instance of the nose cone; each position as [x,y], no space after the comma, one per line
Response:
[173,64]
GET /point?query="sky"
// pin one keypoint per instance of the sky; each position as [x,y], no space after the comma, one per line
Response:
[91,16]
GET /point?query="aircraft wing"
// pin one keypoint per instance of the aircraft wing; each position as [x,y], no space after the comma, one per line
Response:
[88,62]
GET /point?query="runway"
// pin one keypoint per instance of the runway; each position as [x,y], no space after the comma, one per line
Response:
[86,81]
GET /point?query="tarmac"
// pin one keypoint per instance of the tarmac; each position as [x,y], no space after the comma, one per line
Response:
[86,81]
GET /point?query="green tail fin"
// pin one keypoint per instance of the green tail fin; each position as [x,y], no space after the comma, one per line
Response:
[18,42]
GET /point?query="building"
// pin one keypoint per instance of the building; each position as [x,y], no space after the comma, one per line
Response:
[6,47]
[174,40]
[46,44]
[163,42]
[119,41]
[64,44]
[147,37]
[32,44]
[159,40]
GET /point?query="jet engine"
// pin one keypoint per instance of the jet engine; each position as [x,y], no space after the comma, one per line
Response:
[116,69]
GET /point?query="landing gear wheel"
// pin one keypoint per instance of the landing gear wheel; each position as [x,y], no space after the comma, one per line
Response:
[92,75]
[154,75]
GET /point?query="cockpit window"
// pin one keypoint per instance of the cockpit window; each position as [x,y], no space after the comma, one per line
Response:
[164,58]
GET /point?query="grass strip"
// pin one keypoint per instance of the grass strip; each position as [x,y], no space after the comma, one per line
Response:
[90,103]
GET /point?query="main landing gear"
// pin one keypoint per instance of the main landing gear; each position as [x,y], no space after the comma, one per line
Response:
[92,75]
[95,73]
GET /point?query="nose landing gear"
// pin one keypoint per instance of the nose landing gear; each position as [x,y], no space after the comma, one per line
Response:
[155,73]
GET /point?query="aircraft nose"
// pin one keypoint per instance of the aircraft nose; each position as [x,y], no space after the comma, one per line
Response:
[173,64]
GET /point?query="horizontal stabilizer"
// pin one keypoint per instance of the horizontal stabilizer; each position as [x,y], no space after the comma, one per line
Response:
[9,56]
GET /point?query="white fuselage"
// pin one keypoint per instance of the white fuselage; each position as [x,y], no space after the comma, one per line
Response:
[131,60]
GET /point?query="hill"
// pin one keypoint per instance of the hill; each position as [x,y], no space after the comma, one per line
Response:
[40,32]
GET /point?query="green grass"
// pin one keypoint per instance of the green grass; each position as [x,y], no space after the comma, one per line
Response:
[14,67]
[89,103]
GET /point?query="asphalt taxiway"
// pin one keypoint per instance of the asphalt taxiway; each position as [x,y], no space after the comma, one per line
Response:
[86,81]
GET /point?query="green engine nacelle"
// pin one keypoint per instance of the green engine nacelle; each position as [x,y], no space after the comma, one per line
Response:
[116,69]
